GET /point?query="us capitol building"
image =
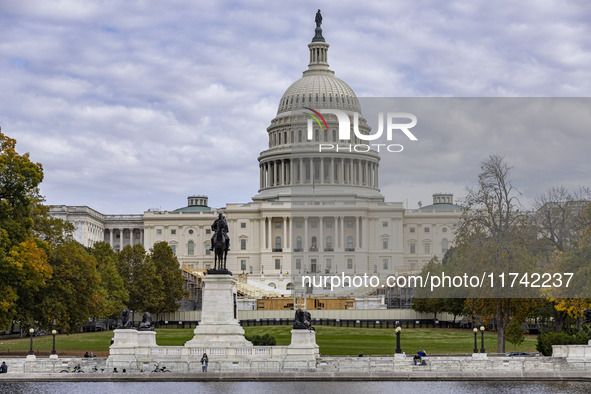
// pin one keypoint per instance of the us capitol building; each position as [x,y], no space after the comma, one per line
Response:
[315,212]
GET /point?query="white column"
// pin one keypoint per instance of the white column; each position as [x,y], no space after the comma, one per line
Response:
[262,236]
[321,170]
[355,232]
[121,239]
[359,232]
[301,174]
[342,181]
[337,233]
[321,240]
[305,234]
[290,231]
[331,171]
[111,238]
[269,244]
[377,176]
[284,224]
[131,236]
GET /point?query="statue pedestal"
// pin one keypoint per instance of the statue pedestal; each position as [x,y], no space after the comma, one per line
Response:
[124,344]
[303,345]
[219,326]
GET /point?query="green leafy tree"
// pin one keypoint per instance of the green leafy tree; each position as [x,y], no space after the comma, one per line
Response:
[169,271]
[113,293]
[515,333]
[73,294]
[141,279]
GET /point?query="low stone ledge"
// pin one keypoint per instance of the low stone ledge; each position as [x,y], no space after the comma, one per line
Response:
[298,376]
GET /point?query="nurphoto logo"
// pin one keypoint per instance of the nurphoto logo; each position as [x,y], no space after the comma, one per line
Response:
[392,124]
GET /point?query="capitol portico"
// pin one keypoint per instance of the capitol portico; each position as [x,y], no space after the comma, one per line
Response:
[315,212]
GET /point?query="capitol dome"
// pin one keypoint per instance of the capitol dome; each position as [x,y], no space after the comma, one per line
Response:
[294,167]
[320,90]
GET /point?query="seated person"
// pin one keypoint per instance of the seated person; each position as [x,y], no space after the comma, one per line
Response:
[417,359]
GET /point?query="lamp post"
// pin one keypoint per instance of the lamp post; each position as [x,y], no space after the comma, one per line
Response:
[53,332]
[398,349]
[475,339]
[482,340]
[31,332]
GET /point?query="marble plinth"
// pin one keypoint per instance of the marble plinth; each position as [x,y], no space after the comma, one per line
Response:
[303,345]
[219,326]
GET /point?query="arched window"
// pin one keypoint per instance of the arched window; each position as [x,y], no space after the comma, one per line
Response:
[329,242]
[444,245]
[290,286]
[313,245]
[278,243]
[299,135]
[191,248]
[349,242]
[272,285]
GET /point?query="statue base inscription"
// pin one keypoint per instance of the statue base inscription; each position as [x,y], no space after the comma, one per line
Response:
[219,325]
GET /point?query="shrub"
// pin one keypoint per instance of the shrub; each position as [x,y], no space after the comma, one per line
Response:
[265,340]
[547,339]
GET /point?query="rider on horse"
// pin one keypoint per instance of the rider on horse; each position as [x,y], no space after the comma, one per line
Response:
[222,225]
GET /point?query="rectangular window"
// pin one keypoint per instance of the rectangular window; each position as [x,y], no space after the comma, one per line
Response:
[298,264]
[137,236]
[350,264]
[328,224]
[313,265]
[427,248]
[384,224]
[243,244]
[384,243]
[314,224]
[242,225]
[208,231]
[277,264]
[349,223]
[243,265]
[413,265]
[328,263]
[385,263]
[298,224]
[427,229]
[173,247]
[412,248]
[158,231]
[412,229]
[173,231]
[278,225]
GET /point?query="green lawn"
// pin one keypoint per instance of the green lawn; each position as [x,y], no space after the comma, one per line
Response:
[332,341]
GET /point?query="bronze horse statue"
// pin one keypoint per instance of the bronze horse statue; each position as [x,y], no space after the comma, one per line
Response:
[220,249]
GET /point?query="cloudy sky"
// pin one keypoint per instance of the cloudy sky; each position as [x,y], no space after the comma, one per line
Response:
[135,105]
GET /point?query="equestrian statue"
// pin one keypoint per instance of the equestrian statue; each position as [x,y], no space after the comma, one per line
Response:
[220,242]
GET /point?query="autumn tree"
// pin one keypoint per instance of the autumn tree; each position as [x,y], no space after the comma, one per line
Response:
[24,268]
[495,235]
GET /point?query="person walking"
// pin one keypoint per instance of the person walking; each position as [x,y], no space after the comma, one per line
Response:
[204,362]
